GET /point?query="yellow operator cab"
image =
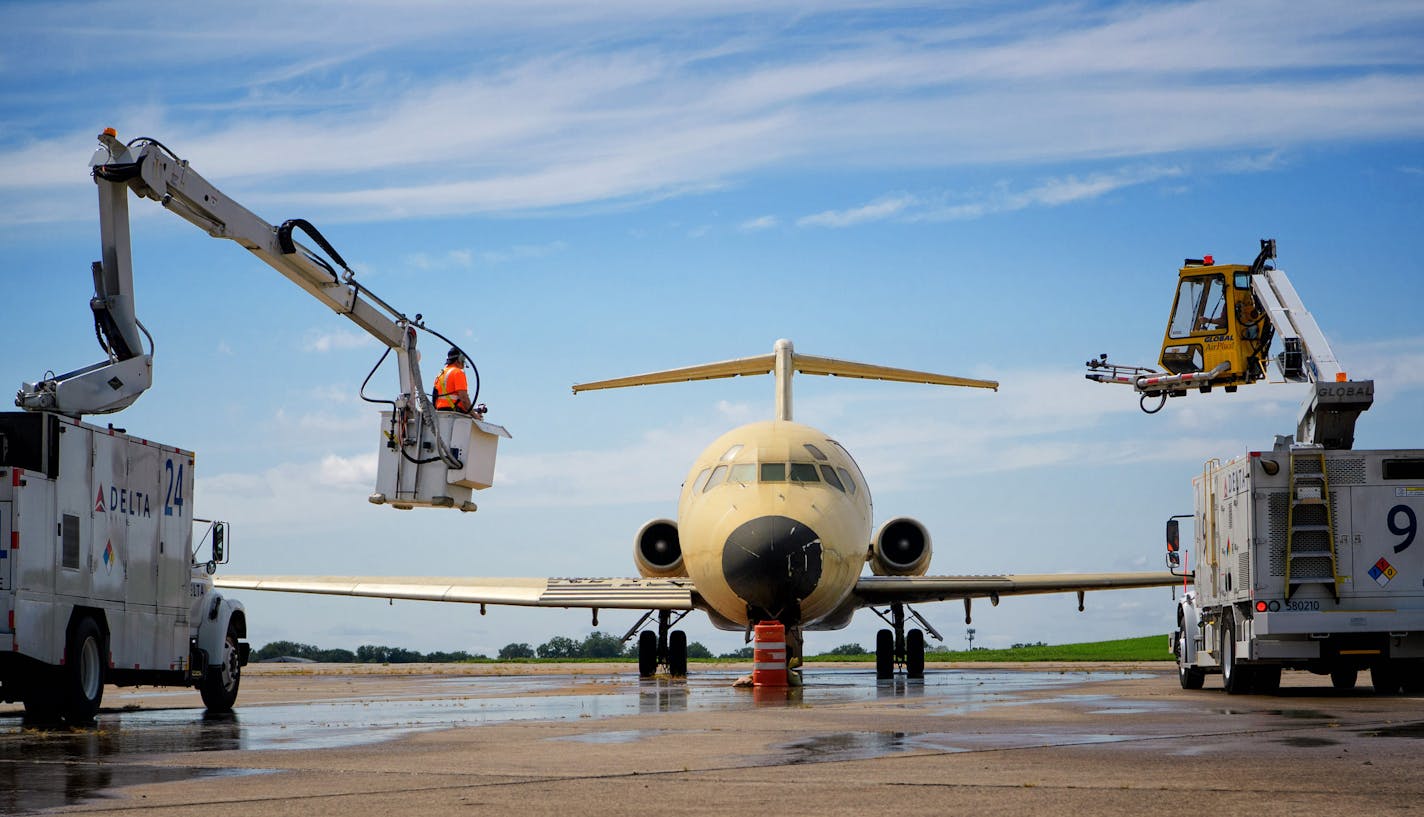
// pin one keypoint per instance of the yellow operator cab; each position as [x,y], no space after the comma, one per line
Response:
[1216,319]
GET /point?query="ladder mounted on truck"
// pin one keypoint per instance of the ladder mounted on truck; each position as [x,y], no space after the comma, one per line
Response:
[1310,526]
[1220,332]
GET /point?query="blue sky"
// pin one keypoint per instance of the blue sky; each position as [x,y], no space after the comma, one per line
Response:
[578,191]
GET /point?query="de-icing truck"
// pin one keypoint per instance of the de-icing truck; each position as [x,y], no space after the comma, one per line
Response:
[1305,556]
[102,578]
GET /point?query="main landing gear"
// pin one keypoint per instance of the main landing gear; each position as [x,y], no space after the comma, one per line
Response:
[665,648]
[900,647]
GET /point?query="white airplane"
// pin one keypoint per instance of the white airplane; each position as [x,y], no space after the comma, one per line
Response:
[774,524]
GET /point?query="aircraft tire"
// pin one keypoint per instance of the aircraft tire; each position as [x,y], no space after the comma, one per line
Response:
[1344,677]
[647,654]
[915,654]
[677,654]
[884,655]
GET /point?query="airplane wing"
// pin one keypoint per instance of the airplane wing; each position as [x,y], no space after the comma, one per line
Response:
[874,590]
[610,594]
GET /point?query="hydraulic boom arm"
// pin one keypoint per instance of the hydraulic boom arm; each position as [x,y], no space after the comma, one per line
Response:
[148,169]
[1220,333]
[415,435]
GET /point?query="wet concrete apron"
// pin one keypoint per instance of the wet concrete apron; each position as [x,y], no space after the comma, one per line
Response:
[547,743]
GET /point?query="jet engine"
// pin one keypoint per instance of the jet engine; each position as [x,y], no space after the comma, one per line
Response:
[901,548]
[657,552]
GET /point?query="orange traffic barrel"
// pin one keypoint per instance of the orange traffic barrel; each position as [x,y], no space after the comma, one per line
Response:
[769,655]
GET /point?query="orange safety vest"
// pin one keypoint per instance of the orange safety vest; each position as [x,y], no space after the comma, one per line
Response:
[447,383]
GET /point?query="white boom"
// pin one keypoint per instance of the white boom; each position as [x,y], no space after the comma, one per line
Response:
[413,434]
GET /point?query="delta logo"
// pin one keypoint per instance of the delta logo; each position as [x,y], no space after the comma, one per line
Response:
[124,501]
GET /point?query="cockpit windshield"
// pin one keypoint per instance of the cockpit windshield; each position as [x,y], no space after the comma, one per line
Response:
[749,473]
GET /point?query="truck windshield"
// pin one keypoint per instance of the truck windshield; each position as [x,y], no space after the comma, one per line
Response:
[1200,307]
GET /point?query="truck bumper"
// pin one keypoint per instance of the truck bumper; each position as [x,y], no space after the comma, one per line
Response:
[1339,621]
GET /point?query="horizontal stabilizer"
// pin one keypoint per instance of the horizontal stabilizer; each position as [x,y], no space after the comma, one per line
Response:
[761,364]
[806,364]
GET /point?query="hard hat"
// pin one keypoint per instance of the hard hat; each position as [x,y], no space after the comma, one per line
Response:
[453,355]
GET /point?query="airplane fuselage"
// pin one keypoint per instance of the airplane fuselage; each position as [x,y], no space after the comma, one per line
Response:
[775,522]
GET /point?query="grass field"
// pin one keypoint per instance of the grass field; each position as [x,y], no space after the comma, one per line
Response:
[1146,648]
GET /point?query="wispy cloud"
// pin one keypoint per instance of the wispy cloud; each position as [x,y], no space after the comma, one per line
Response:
[754,225]
[614,106]
[877,210]
[1052,192]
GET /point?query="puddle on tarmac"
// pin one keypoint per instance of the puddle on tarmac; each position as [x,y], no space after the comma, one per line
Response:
[1403,730]
[864,745]
[47,769]
[1306,742]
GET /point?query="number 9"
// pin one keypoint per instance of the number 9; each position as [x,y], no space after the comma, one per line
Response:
[1410,527]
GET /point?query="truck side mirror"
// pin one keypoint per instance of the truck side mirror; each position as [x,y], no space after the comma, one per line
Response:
[219,533]
[1174,541]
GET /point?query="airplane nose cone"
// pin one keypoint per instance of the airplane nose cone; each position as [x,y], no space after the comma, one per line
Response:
[772,563]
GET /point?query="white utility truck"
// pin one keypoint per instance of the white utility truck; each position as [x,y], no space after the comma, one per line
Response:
[100,578]
[1303,556]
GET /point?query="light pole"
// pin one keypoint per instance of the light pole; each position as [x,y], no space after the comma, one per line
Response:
[970,631]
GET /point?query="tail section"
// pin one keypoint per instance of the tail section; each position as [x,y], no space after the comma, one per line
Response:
[783,361]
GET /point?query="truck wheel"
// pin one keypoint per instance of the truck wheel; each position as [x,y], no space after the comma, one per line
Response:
[1344,678]
[42,704]
[1236,678]
[82,677]
[1267,681]
[1190,677]
[221,680]
[1412,679]
[1386,679]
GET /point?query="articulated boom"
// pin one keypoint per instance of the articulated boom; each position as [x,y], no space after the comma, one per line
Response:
[418,441]
[1220,332]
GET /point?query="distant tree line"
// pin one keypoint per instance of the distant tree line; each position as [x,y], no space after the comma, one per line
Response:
[595,645]
[365,654]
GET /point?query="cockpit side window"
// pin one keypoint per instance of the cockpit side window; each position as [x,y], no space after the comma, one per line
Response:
[830,474]
[732,452]
[701,480]
[718,474]
[855,469]
[744,473]
[773,472]
[804,472]
[849,483]
[816,452]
